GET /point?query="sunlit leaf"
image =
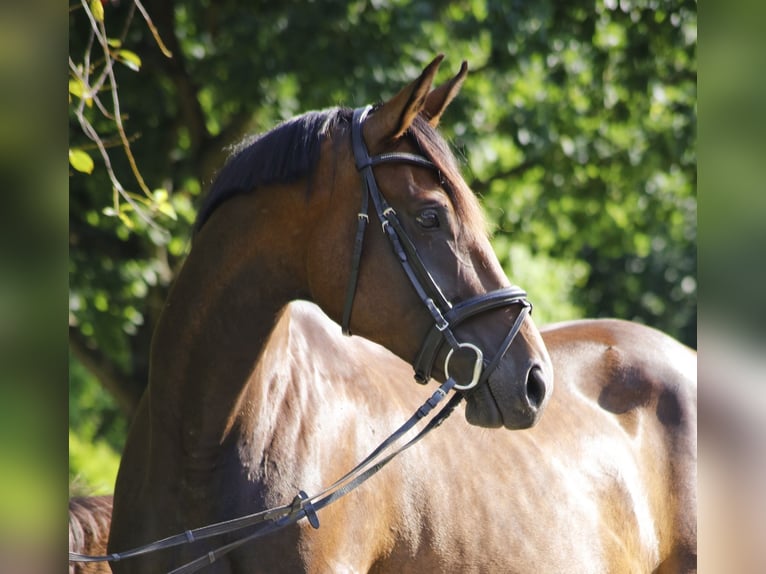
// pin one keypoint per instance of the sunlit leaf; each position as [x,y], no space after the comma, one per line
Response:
[160,195]
[130,59]
[81,161]
[76,87]
[98,10]
[168,210]
[127,221]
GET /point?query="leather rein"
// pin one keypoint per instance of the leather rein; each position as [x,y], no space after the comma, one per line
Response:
[446,317]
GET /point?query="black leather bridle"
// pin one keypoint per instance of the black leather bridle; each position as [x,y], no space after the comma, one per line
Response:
[446,316]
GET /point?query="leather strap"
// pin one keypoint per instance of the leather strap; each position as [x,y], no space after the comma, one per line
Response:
[353,279]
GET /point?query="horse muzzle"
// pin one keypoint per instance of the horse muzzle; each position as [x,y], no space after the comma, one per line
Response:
[500,402]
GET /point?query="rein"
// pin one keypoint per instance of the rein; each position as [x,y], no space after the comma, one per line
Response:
[302,506]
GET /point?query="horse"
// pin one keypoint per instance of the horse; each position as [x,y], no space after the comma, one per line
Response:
[253,396]
[89,519]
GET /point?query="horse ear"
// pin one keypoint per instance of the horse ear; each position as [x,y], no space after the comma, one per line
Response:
[395,116]
[438,100]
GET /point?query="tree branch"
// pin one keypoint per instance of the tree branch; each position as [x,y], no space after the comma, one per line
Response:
[175,67]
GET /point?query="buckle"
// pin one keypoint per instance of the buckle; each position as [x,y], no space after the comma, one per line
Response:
[439,321]
[477,366]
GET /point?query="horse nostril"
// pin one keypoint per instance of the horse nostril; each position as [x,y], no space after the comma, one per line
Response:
[535,387]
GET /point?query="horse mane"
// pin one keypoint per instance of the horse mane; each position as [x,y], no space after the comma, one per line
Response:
[89,521]
[290,152]
[285,154]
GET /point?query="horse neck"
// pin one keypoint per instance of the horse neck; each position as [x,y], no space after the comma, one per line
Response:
[244,267]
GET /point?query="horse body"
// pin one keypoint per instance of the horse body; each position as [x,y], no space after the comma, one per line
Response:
[603,483]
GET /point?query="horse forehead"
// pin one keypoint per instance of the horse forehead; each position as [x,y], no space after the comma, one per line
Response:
[407,182]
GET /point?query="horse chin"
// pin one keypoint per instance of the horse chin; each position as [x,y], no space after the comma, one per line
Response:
[483,409]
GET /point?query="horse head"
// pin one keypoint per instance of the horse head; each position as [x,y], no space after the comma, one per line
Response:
[424,282]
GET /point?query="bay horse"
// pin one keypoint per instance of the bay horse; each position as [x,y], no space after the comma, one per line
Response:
[251,399]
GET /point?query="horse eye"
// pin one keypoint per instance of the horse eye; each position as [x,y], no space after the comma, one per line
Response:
[428,219]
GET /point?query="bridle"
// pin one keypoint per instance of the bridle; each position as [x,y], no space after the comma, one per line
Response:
[446,316]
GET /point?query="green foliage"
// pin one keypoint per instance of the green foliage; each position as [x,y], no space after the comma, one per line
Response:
[576,126]
[551,280]
[96,433]
[92,466]
[93,414]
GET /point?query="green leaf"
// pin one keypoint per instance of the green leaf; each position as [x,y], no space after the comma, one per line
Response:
[76,87]
[81,161]
[130,59]
[160,195]
[126,221]
[98,10]
[168,210]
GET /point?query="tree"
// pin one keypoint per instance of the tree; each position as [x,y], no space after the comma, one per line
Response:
[576,127]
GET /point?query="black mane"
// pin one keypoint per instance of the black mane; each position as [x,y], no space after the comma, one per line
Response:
[285,154]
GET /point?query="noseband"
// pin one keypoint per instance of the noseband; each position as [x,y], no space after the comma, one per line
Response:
[446,316]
